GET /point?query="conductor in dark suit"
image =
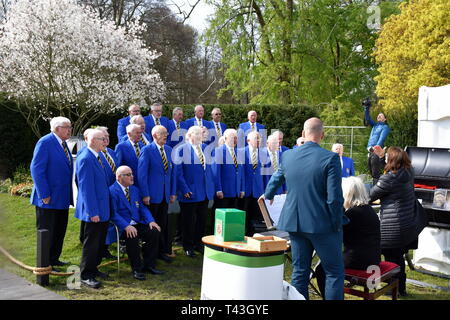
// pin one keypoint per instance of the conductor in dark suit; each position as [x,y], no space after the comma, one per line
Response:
[93,206]
[51,170]
[135,222]
[313,211]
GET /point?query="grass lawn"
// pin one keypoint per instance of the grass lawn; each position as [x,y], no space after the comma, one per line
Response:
[182,280]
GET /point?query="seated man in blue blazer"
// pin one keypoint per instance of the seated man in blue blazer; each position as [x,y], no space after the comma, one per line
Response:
[157,183]
[133,110]
[135,222]
[198,120]
[129,151]
[195,185]
[176,128]
[251,125]
[218,126]
[313,212]
[347,165]
[92,206]
[228,173]
[51,170]
[254,183]
[155,118]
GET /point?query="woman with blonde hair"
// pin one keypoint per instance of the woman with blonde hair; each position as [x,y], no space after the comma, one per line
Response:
[361,234]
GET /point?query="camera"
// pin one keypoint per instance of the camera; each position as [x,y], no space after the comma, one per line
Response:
[366,103]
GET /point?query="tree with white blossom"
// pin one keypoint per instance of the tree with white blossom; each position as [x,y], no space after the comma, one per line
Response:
[59,58]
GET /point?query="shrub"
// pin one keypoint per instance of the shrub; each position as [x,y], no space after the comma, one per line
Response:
[5,185]
[22,189]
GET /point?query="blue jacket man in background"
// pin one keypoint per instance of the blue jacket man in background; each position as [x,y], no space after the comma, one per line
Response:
[133,110]
[378,135]
[157,183]
[313,211]
[135,222]
[155,118]
[197,120]
[218,126]
[176,128]
[347,164]
[93,206]
[52,170]
[251,125]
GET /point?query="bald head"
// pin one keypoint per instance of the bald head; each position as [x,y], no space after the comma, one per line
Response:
[313,130]
[124,175]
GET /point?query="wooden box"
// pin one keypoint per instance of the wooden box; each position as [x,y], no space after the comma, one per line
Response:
[269,243]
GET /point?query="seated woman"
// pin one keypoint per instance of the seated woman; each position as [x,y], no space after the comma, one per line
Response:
[361,234]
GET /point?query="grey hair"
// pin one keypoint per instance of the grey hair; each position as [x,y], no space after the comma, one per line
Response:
[86,132]
[176,110]
[132,126]
[58,122]
[337,145]
[104,129]
[251,134]
[229,132]
[135,118]
[156,104]
[157,129]
[354,192]
[134,105]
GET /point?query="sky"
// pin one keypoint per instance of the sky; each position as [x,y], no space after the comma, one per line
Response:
[198,16]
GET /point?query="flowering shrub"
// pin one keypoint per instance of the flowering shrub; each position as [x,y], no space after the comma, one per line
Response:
[59,58]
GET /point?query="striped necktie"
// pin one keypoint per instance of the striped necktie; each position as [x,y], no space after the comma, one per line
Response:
[219,134]
[136,149]
[143,141]
[200,155]
[274,161]
[199,121]
[254,161]
[253,126]
[164,159]
[127,194]
[110,161]
[66,150]
[178,127]
[233,154]
[157,122]
[100,161]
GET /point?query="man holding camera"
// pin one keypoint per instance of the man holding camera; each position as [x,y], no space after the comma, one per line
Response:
[375,145]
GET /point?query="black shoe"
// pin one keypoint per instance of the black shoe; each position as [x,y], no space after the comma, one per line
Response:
[165,258]
[108,255]
[91,283]
[190,253]
[153,270]
[200,249]
[59,263]
[102,275]
[138,275]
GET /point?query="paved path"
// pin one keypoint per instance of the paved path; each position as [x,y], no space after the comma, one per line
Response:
[13,287]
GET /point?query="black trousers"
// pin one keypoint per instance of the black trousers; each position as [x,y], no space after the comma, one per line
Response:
[253,215]
[150,240]
[93,246]
[55,221]
[193,220]
[396,256]
[376,166]
[160,214]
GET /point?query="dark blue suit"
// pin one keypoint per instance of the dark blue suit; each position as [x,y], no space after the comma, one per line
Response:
[93,200]
[348,167]
[150,123]
[122,127]
[52,171]
[193,177]
[126,156]
[174,137]
[312,214]
[123,213]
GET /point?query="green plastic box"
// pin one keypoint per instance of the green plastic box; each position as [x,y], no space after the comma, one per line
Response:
[229,225]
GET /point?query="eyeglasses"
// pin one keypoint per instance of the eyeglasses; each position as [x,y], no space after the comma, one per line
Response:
[217,114]
[102,139]
[66,127]
[127,174]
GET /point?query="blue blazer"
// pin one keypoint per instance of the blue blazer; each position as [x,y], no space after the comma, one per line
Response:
[123,211]
[191,177]
[213,133]
[149,138]
[126,156]
[245,128]
[174,138]
[149,124]
[122,127]
[314,202]
[110,175]
[348,167]
[93,188]
[207,124]
[228,179]
[52,172]
[154,181]
[254,183]
[268,170]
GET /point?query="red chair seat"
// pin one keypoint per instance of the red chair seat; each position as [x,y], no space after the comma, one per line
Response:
[385,269]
